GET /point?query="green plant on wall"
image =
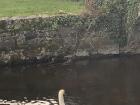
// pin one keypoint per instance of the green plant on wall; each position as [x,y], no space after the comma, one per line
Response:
[132,15]
[126,12]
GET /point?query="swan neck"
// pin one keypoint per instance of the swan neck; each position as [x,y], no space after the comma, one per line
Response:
[61,98]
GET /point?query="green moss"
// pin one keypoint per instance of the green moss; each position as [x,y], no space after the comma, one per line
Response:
[50,23]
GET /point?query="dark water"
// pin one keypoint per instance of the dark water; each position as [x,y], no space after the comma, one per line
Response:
[107,81]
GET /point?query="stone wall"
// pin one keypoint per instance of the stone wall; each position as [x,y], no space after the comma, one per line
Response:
[134,44]
[53,39]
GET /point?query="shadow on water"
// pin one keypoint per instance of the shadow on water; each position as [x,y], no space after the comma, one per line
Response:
[108,81]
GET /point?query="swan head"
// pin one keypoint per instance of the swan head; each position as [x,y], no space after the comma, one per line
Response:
[62,91]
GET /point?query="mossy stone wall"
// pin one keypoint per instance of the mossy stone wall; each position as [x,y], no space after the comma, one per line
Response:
[49,39]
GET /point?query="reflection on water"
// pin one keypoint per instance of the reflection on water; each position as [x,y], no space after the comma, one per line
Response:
[108,81]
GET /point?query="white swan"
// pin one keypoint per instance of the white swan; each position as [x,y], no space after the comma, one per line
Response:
[39,102]
[61,97]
